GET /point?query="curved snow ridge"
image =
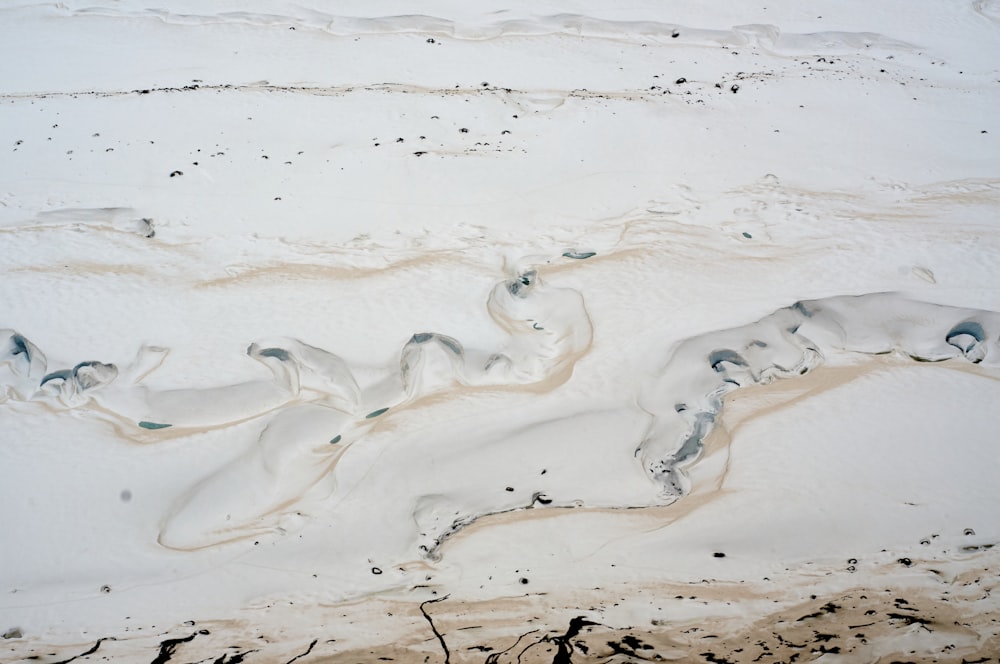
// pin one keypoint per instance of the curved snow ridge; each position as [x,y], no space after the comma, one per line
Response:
[548,329]
[314,405]
[769,37]
[686,395]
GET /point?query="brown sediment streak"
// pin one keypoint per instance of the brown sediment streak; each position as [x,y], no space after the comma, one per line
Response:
[781,395]
[129,430]
[331,272]
[774,398]
[89,269]
[884,612]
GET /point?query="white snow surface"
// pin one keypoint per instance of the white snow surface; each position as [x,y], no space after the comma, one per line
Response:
[327,304]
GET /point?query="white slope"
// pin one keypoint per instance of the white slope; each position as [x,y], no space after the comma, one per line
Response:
[555,242]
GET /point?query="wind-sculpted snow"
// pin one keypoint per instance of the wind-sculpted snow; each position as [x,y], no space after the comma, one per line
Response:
[687,394]
[314,408]
[23,366]
[454,331]
[769,37]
